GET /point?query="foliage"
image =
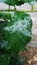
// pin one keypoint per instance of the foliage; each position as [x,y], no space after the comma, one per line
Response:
[18,2]
[15,34]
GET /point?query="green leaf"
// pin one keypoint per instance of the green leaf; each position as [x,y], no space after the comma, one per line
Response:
[5,16]
[18,2]
[4,59]
[18,31]
[31,2]
[10,2]
[15,34]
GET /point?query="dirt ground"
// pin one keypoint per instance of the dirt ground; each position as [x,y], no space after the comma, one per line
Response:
[30,56]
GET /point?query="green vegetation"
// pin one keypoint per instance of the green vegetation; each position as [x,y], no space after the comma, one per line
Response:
[15,33]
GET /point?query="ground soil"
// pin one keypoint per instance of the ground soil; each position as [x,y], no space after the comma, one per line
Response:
[30,56]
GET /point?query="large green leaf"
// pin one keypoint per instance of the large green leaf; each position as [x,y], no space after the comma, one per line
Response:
[18,31]
[18,2]
[15,33]
[10,2]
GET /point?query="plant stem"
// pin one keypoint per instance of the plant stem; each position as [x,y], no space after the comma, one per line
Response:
[14,8]
[17,10]
[9,7]
[32,8]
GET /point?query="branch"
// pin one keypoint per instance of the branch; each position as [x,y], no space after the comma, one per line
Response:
[17,10]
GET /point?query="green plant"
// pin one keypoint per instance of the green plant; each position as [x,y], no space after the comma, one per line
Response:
[15,34]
